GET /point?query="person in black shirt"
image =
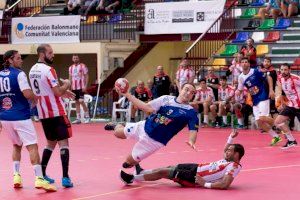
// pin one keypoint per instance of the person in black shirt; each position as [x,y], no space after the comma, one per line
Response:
[212,81]
[161,83]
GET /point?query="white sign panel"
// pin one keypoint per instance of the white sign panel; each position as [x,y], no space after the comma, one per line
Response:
[181,17]
[58,29]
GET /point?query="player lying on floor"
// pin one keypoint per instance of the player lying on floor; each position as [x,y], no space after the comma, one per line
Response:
[215,175]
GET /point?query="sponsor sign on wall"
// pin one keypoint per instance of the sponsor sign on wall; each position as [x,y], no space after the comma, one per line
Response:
[58,29]
[181,17]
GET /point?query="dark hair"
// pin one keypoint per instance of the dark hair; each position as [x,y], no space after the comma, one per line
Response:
[268,58]
[223,78]
[245,58]
[240,149]
[286,64]
[42,48]
[202,80]
[189,84]
[7,55]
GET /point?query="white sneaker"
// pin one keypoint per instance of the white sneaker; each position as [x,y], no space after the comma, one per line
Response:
[86,120]
[77,121]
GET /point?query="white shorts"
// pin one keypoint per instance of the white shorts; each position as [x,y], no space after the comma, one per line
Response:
[261,109]
[20,132]
[145,145]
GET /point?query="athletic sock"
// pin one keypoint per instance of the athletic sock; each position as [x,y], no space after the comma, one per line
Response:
[205,120]
[240,121]
[78,116]
[65,156]
[38,170]
[86,115]
[139,177]
[16,166]
[45,159]
[273,133]
[289,136]
[224,119]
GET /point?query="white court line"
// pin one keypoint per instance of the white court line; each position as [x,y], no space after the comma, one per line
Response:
[119,191]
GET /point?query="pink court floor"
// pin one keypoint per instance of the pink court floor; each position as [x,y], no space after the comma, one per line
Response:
[96,158]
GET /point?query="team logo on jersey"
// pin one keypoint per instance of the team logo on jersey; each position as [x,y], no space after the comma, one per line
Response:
[170,112]
[248,83]
[5,72]
[6,103]
[162,119]
[254,90]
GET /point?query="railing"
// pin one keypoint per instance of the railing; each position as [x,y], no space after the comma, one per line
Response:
[214,38]
[27,8]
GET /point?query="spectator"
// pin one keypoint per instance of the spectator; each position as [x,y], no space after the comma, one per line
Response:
[249,51]
[103,7]
[174,89]
[151,88]
[212,81]
[72,7]
[235,69]
[142,93]
[84,7]
[184,74]
[161,82]
[272,10]
[15,11]
[289,8]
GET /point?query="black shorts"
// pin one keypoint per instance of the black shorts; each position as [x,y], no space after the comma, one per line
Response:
[78,94]
[290,112]
[57,128]
[273,109]
[184,174]
[200,108]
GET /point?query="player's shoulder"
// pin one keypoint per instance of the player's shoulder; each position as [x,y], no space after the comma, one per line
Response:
[295,77]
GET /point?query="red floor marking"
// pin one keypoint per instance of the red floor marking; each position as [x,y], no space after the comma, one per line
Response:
[96,157]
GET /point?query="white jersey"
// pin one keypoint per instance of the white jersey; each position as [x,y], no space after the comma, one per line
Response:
[77,74]
[215,171]
[42,79]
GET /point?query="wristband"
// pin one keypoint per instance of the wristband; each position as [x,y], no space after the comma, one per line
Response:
[207,185]
[229,140]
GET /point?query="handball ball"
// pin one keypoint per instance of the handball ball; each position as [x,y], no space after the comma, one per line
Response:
[122,84]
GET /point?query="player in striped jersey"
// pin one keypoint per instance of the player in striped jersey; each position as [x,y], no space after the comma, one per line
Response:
[215,175]
[15,116]
[290,84]
[51,109]
[78,75]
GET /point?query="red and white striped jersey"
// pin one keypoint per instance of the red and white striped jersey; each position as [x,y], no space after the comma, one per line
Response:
[183,75]
[242,97]
[77,74]
[202,95]
[215,171]
[225,93]
[42,79]
[291,88]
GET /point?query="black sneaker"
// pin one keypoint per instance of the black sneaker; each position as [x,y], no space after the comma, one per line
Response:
[138,169]
[289,144]
[126,178]
[110,126]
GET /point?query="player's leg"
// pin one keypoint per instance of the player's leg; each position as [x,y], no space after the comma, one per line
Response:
[16,157]
[205,113]
[281,123]
[237,108]
[213,109]
[77,106]
[222,112]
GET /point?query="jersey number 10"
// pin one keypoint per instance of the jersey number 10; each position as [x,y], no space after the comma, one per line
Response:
[4,84]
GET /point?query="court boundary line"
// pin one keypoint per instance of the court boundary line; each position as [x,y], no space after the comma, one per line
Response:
[140,187]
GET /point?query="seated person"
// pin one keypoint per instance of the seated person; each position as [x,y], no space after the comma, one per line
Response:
[72,7]
[272,10]
[84,6]
[203,99]
[142,93]
[242,107]
[102,7]
[221,173]
[289,8]
[249,51]
[225,94]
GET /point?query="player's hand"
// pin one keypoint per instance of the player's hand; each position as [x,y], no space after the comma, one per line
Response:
[272,94]
[65,82]
[234,133]
[68,95]
[238,92]
[120,93]
[191,144]
[199,180]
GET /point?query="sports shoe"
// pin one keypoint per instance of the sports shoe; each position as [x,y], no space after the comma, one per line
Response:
[224,125]
[50,180]
[126,178]
[110,126]
[66,182]
[275,140]
[87,120]
[77,121]
[240,126]
[289,144]
[138,169]
[204,125]
[17,181]
[41,183]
